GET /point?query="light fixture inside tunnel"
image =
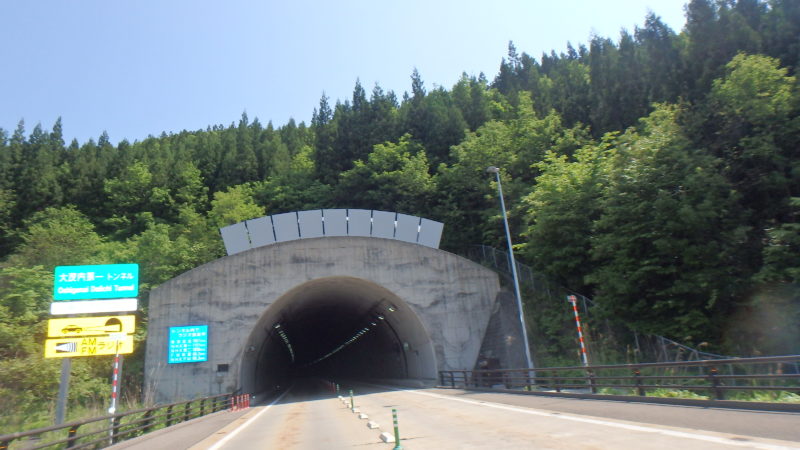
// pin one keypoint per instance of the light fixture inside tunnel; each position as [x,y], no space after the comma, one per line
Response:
[341,347]
[285,339]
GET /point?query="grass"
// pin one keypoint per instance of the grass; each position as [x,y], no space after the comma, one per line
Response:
[766,396]
[675,393]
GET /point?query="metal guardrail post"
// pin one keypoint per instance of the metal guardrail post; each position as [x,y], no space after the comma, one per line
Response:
[592,383]
[148,421]
[556,381]
[712,377]
[203,407]
[186,409]
[71,439]
[169,415]
[637,378]
[115,430]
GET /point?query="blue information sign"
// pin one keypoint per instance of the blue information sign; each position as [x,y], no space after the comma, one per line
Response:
[188,344]
[96,282]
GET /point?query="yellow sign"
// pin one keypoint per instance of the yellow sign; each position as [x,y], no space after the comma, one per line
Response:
[88,346]
[91,326]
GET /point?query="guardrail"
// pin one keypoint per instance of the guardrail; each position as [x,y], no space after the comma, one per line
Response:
[774,373]
[94,433]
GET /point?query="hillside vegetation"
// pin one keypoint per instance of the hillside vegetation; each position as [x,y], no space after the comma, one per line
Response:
[657,172]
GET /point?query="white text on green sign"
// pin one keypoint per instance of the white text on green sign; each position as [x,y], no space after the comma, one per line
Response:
[96,282]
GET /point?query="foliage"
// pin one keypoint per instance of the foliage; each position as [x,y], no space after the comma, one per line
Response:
[663,244]
[394,177]
[673,393]
[766,396]
[561,211]
[233,205]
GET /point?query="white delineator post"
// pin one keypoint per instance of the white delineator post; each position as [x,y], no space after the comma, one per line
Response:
[574,300]
[115,383]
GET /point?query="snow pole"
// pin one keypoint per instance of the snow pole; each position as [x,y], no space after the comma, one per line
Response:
[574,300]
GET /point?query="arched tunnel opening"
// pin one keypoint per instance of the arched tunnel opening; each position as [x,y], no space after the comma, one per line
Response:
[337,328]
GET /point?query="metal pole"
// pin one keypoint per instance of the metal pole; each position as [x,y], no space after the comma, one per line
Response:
[63,390]
[572,299]
[115,384]
[513,263]
[114,392]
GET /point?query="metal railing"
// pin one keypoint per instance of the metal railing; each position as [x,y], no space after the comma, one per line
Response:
[107,430]
[716,377]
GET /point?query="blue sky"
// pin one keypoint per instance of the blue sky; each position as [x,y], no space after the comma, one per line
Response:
[135,68]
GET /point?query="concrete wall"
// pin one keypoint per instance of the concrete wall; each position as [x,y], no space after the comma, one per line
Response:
[446,296]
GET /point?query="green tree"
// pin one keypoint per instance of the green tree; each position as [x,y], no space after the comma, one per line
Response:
[134,200]
[38,185]
[295,189]
[755,127]
[515,145]
[562,209]
[233,205]
[56,237]
[394,177]
[7,205]
[665,243]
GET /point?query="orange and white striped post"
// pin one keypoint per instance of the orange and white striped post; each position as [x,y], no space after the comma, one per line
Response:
[574,300]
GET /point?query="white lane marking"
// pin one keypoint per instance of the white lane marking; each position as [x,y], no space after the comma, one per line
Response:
[241,427]
[624,426]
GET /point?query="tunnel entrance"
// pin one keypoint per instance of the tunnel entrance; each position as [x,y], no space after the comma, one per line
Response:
[336,328]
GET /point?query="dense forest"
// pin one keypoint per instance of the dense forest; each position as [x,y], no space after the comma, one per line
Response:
[658,173]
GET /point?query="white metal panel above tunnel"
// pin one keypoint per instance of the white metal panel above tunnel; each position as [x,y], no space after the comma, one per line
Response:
[317,223]
[430,233]
[383,224]
[359,222]
[286,227]
[235,238]
[335,222]
[310,223]
[260,230]
[407,228]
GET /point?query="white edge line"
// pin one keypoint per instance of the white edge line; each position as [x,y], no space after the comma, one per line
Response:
[624,426]
[241,427]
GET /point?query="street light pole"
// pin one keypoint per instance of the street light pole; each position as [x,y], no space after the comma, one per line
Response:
[513,263]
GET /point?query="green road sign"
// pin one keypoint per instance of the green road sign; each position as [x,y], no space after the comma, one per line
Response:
[96,282]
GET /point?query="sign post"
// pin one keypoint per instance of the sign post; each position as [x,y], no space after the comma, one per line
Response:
[63,389]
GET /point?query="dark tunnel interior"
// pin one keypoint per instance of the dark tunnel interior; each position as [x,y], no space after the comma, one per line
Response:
[337,328]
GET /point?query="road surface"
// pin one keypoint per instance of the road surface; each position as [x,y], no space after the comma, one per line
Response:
[309,417]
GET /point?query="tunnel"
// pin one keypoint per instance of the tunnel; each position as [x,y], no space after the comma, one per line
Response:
[334,307]
[336,328]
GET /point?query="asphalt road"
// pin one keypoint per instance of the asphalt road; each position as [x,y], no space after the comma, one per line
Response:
[310,417]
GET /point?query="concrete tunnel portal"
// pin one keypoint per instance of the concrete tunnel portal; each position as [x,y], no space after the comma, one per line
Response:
[336,328]
[337,294]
